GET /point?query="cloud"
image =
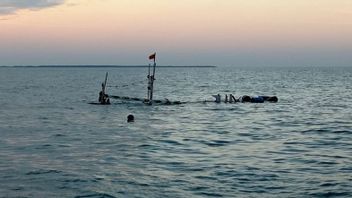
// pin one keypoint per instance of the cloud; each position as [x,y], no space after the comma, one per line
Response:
[11,6]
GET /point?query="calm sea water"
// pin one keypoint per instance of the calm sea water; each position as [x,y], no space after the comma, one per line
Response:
[54,144]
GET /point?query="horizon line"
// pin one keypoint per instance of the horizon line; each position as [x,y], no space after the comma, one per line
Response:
[112,66]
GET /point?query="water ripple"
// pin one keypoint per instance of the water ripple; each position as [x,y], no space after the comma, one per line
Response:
[53,144]
[96,195]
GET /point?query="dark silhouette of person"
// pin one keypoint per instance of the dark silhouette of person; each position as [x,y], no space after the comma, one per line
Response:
[232,98]
[130,118]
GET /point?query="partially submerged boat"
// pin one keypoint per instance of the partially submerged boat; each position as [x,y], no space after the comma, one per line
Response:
[104,99]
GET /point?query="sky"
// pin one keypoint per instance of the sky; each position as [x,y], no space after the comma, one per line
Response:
[182,32]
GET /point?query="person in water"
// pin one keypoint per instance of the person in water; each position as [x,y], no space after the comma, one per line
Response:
[130,118]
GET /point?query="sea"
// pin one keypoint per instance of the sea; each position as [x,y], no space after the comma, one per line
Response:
[55,144]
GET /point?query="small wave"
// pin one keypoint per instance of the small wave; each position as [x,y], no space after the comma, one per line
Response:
[327,163]
[44,146]
[193,169]
[331,194]
[39,172]
[206,177]
[275,188]
[198,188]
[96,195]
[17,188]
[342,132]
[346,169]
[215,143]
[292,142]
[75,181]
[203,86]
[329,184]
[222,109]
[210,194]
[316,131]
[173,142]
[245,134]
[64,145]
[145,145]
[326,131]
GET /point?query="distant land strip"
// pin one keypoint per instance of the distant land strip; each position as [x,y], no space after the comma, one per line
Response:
[108,66]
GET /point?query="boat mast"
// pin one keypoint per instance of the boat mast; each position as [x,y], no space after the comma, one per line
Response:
[151,79]
[106,79]
[152,82]
[149,87]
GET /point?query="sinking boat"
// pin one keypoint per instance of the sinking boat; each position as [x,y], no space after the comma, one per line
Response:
[104,99]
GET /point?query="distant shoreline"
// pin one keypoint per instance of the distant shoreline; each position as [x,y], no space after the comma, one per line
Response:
[106,66]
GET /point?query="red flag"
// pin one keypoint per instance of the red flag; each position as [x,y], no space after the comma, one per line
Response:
[152,56]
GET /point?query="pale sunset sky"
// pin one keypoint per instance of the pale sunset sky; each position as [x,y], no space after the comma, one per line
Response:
[182,32]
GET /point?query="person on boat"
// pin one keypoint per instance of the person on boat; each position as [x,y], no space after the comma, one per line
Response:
[272,99]
[217,98]
[244,98]
[103,98]
[232,98]
[107,99]
[257,99]
[100,96]
[252,99]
